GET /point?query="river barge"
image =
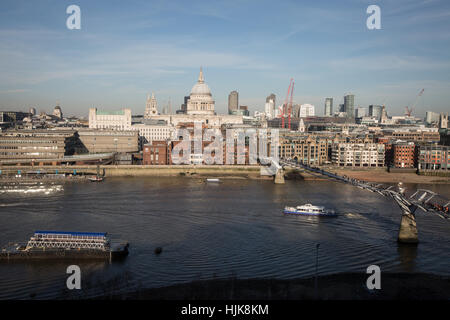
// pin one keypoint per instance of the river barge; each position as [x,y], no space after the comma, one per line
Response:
[46,245]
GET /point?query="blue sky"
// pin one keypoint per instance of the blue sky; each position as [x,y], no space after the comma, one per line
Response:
[128,48]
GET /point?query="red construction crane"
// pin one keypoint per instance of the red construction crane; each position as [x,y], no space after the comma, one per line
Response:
[290,105]
[283,111]
[408,111]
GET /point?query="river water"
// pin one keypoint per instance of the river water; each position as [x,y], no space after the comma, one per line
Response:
[214,230]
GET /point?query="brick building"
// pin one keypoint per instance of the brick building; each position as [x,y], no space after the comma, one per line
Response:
[156,153]
[419,136]
[305,149]
[404,154]
[434,157]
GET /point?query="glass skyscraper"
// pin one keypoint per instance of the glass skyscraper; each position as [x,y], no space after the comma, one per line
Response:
[349,105]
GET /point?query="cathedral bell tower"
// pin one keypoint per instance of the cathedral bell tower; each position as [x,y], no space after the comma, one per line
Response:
[151,107]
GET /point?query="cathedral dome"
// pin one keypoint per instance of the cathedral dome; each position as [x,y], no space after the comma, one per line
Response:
[201,88]
[200,100]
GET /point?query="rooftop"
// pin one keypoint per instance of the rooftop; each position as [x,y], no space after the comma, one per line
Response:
[110,113]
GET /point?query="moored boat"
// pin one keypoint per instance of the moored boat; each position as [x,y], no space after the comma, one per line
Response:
[96,179]
[310,210]
[65,245]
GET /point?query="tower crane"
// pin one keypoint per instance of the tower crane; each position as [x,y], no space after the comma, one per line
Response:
[285,105]
[290,105]
[408,111]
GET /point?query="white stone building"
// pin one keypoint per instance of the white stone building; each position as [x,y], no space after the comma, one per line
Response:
[269,109]
[358,154]
[154,132]
[116,120]
[306,110]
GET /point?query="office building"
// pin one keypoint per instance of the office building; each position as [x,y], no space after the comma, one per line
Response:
[233,101]
[349,106]
[9,119]
[443,121]
[431,117]
[115,120]
[306,110]
[375,111]
[150,131]
[37,145]
[328,107]
[434,157]
[360,112]
[269,107]
[102,141]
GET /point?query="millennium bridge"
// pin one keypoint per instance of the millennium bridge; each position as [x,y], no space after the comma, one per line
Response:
[425,200]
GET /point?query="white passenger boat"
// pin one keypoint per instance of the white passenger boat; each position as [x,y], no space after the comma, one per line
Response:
[309,210]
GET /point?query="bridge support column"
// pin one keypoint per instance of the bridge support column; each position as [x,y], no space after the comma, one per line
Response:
[408,225]
[408,229]
[279,176]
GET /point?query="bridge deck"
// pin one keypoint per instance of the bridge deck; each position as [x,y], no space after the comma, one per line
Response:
[426,200]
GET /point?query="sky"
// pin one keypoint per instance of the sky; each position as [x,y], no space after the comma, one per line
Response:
[126,49]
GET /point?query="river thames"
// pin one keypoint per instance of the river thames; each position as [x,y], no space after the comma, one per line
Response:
[214,230]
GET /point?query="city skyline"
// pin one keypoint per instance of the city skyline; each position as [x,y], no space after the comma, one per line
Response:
[123,52]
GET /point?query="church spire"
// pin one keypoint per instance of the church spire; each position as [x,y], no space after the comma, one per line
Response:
[200,76]
[151,107]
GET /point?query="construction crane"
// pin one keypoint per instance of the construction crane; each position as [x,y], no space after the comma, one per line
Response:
[290,105]
[283,111]
[408,111]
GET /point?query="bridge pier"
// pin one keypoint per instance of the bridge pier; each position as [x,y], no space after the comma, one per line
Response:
[408,229]
[279,176]
[408,226]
